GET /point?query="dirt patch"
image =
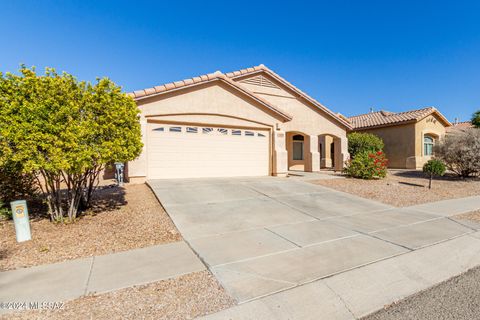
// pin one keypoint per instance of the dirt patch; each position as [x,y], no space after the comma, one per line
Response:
[121,219]
[185,297]
[473,216]
[403,188]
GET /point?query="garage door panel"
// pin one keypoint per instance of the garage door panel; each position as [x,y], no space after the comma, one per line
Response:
[208,152]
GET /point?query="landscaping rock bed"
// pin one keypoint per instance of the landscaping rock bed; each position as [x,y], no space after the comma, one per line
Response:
[403,188]
[185,297]
[121,219]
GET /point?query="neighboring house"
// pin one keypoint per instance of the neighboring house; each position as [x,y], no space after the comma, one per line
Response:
[460,126]
[409,136]
[250,122]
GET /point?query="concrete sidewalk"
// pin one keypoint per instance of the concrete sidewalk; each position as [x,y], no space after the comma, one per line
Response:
[75,278]
[358,292]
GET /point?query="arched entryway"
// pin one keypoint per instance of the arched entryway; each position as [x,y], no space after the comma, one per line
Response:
[330,152]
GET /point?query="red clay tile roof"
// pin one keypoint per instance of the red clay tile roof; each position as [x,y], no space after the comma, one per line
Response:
[141,94]
[216,76]
[386,118]
[460,126]
[300,93]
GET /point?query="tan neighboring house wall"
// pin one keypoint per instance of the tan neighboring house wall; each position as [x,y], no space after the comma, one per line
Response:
[254,100]
[404,139]
[399,144]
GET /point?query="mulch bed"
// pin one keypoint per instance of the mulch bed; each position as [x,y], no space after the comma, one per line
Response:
[403,188]
[185,297]
[121,219]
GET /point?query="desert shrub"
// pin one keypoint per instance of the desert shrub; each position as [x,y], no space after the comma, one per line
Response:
[367,165]
[434,167]
[460,151]
[361,142]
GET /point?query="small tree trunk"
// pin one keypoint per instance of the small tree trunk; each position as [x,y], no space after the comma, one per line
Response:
[430,182]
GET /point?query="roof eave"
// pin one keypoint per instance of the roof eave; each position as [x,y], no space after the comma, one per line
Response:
[223,79]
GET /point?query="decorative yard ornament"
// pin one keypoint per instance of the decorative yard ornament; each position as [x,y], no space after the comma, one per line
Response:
[119,166]
[21,221]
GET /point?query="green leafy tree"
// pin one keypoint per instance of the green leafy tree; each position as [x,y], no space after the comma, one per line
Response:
[363,142]
[476,119]
[65,131]
[433,167]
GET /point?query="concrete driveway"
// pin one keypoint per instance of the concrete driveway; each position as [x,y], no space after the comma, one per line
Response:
[264,235]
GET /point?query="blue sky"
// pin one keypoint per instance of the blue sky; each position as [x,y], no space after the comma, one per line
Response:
[349,55]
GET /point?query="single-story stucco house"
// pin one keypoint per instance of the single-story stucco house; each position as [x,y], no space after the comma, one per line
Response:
[250,122]
[409,136]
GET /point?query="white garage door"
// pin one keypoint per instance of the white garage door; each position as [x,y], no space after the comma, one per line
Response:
[176,151]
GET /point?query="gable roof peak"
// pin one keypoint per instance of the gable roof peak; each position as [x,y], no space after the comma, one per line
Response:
[299,93]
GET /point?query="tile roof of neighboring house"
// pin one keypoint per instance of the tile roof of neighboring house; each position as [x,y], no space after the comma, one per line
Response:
[460,126]
[141,94]
[386,118]
[216,76]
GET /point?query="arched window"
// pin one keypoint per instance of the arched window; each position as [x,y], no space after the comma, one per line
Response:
[298,147]
[428,143]
[298,137]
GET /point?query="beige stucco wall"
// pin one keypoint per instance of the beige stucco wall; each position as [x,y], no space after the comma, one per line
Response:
[399,143]
[308,120]
[432,126]
[404,143]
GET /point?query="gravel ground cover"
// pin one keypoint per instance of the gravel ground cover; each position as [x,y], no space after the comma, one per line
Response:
[455,299]
[185,297]
[474,216]
[121,219]
[403,188]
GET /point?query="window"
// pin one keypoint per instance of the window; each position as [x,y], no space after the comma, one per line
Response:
[222,131]
[249,133]
[207,130]
[260,135]
[192,129]
[175,129]
[297,150]
[428,143]
[298,137]
[236,133]
[298,147]
[159,129]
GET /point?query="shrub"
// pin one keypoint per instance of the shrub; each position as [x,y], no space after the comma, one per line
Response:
[65,131]
[460,151]
[434,167]
[361,142]
[367,165]
[14,184]
[5,213]
[476,119]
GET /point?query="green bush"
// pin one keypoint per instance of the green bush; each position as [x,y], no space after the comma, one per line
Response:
[432,168]
[14,184]
[476,119]
[65,131]
[363,142]
[367,165]
[5,213]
